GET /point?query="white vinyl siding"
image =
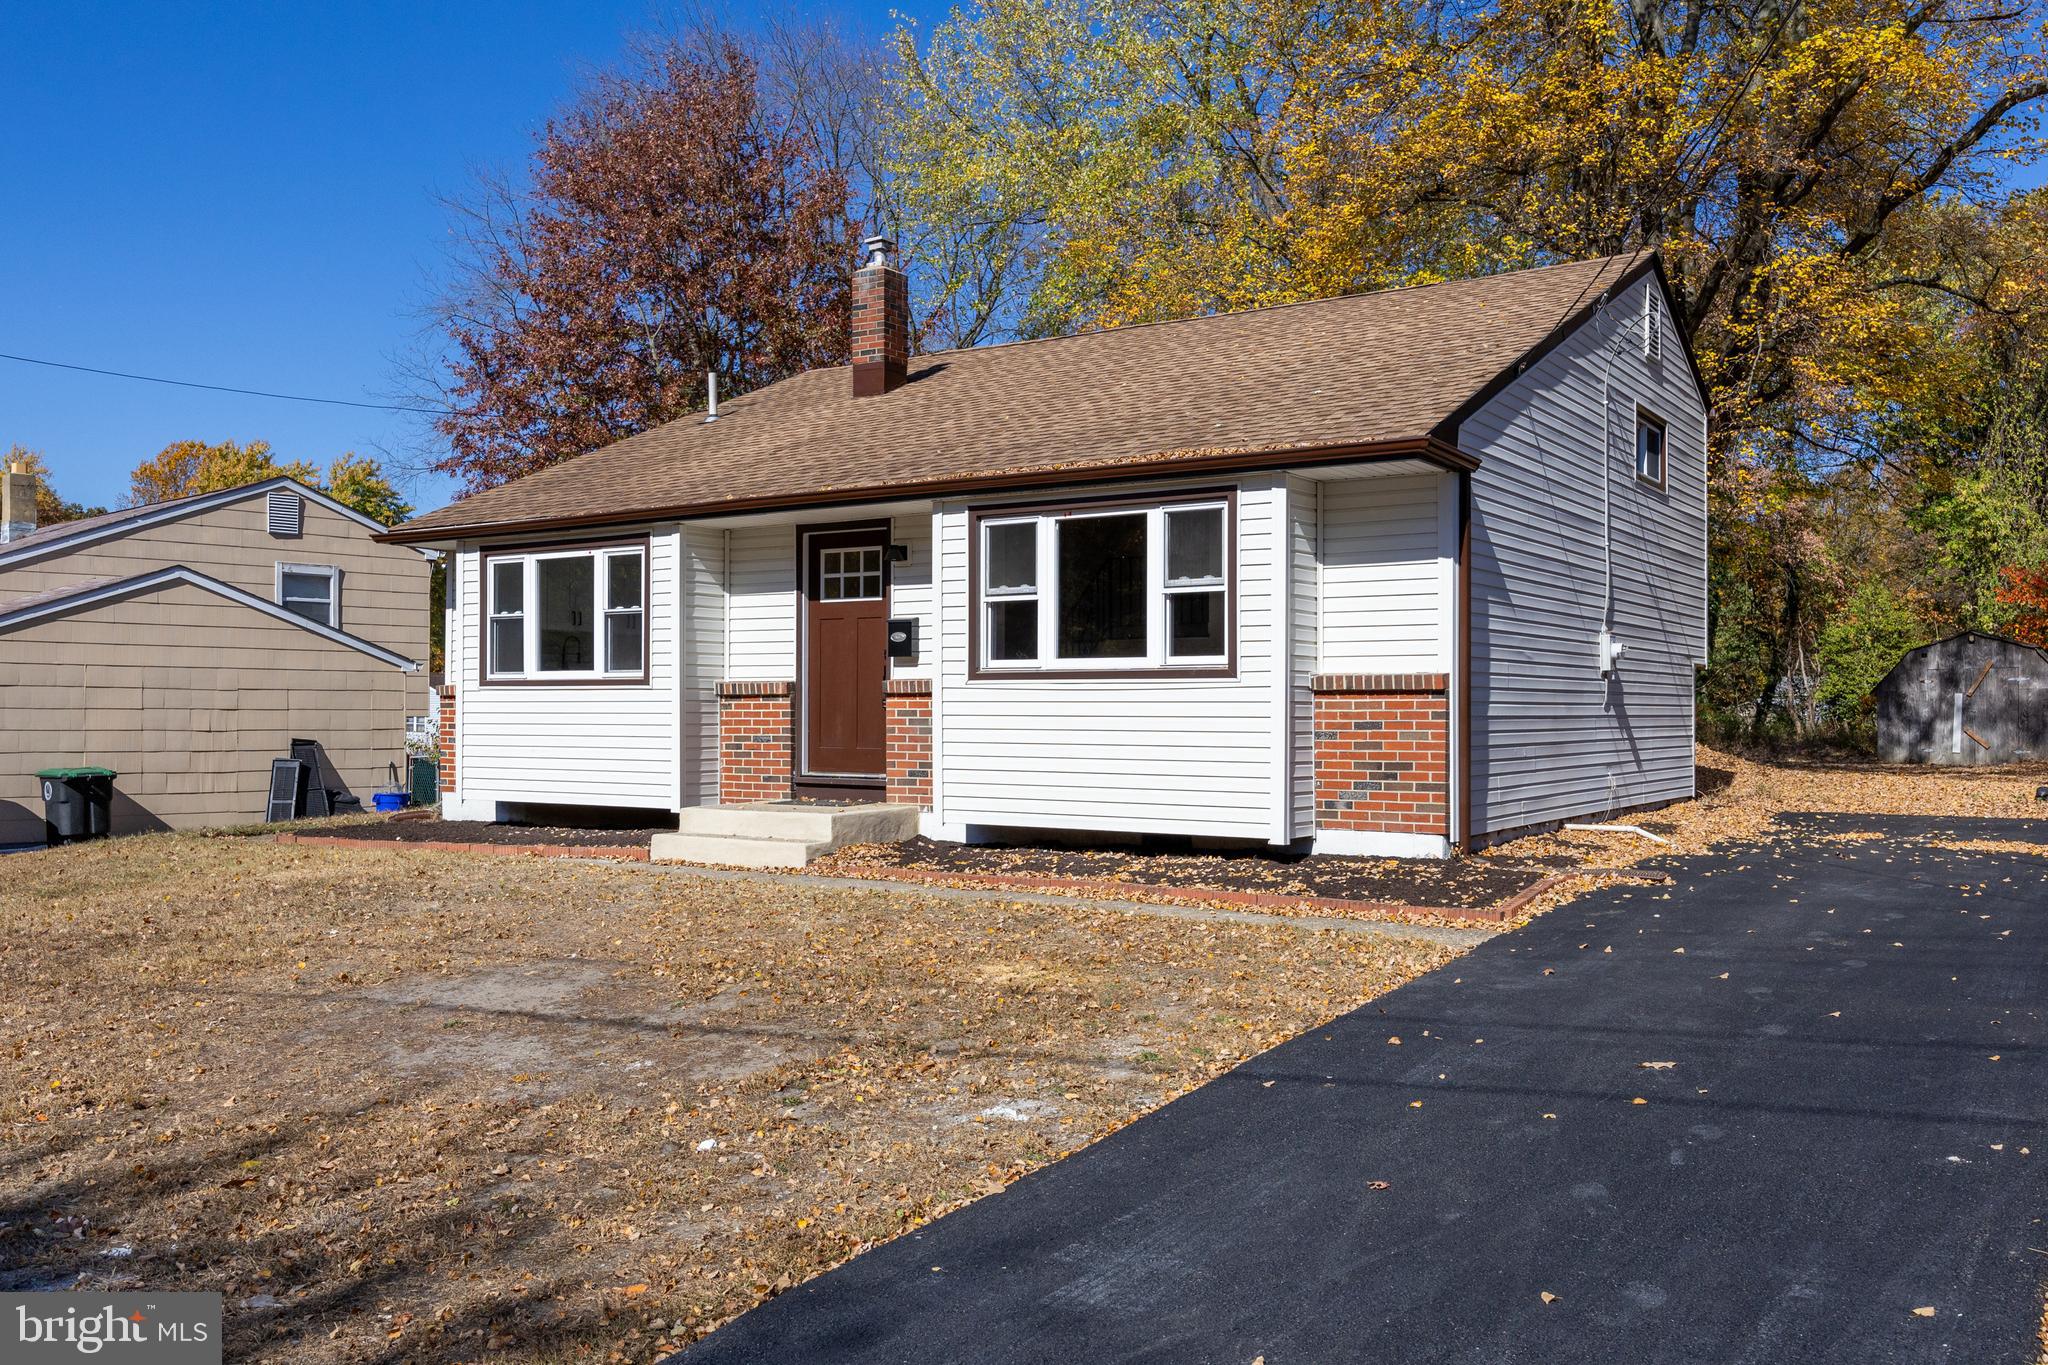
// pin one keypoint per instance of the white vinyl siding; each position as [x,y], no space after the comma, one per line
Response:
[613,744]
[1385,608]
[911,593]
[1304,507]
[1552,739]
[1165,754]
[762,606]
[704,635]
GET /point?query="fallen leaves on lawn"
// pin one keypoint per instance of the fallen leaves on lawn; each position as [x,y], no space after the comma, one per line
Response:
[549,1109]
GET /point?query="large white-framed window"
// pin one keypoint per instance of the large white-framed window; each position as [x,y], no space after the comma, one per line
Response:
[312,591]
[1104,587]
[574,614]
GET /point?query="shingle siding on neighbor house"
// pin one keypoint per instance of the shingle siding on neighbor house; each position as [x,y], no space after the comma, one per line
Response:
[1552,740]
[182,693]
[383,587]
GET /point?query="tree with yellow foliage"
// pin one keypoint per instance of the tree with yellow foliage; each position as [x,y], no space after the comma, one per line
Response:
[184,468]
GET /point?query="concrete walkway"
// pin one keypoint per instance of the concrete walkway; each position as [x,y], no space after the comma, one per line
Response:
[1793,1108]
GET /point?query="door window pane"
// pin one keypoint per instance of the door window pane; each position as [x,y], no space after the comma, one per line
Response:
[1197,625]
[567,593]
[850,575]
[1012,557]
[1194,545]
[623,582]
[1013,631]
[1102,587]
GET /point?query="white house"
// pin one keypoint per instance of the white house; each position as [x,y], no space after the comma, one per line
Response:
[1388,573]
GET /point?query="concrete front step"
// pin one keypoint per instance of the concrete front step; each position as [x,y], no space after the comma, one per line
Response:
[778,833]
[837,825]
[728,851]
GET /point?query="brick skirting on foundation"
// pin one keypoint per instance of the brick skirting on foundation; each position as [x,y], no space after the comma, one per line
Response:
[755,744]
[1383,752]
[909,766]
[444,738]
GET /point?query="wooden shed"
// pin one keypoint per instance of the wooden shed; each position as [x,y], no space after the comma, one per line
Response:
[1972,698]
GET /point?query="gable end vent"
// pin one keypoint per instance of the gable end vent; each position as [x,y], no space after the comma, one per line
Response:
[1653,326]
[284,510]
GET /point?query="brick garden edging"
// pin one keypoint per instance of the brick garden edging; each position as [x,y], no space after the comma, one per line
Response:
[1501,912]
[627,852]
[1269,900]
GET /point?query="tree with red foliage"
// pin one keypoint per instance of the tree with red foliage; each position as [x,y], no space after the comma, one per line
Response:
[673,227]
[2025,593]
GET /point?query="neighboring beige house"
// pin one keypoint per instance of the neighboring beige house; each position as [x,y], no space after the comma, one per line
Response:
[185,644]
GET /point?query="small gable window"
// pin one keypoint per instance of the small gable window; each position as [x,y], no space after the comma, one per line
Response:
[312,591]
[1649,449]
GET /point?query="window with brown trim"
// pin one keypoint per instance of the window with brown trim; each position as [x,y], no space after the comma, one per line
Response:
[574,614]
[1109,586]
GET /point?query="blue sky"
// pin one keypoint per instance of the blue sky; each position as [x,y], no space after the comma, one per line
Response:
[247,195]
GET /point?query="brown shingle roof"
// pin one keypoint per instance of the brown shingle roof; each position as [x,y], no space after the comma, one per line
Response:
[1365,370]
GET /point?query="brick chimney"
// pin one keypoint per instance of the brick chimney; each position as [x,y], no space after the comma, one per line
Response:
[17,501]
[881,320]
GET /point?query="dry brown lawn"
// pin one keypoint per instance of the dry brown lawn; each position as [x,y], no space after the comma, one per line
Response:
[417,1105]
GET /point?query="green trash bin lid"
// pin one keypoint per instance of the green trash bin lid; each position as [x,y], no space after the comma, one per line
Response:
[62,773]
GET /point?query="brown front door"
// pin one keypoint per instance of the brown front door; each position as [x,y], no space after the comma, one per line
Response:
[846,653]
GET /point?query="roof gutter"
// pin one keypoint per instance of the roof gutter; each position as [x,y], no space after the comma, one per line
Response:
[1432,448]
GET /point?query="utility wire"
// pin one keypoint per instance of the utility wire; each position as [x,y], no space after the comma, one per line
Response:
[224,388]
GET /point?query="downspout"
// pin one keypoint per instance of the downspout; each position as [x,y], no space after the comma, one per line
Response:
[1460,831]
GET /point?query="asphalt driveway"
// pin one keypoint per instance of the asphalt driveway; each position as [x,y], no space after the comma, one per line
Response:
[1773,1113]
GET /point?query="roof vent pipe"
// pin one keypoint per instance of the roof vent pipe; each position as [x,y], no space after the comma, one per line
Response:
[711,381]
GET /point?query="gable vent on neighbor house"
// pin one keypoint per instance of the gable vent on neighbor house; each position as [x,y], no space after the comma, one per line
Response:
[1653,325]
[285,510]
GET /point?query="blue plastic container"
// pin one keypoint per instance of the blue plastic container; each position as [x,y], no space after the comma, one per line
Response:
[389,801]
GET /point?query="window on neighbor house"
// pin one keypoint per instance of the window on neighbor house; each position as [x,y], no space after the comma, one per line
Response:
[1096,587]
[566,615]
[312,591]
[1649,449]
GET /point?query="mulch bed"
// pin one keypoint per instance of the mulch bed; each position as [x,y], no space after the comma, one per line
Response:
[481,836]
[1455,888]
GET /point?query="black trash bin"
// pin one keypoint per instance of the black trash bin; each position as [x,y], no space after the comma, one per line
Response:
[78,803]
[423,775]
